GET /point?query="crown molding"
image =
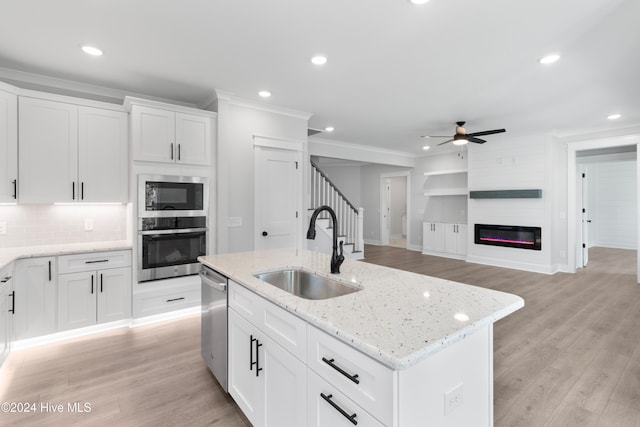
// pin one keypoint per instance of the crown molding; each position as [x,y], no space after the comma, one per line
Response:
[248,103]
[43,83]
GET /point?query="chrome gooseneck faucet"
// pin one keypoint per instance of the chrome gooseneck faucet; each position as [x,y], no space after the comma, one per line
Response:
[336,260]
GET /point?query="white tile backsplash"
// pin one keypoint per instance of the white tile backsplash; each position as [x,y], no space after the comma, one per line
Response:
[36,225]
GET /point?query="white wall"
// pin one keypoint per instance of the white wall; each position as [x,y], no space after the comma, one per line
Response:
[237,124]
[513,162]
[36,225]
[612,201]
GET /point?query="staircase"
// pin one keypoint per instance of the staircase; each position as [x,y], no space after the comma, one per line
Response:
[350,225]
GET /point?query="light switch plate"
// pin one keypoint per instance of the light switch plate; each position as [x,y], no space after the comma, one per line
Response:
[234,221]
[453,399]
[3,227]
[88,224]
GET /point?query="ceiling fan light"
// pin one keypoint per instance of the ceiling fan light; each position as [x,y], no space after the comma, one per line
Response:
[459,139]
[549,59]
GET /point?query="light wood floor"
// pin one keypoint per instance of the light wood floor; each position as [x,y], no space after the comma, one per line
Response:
[570,357]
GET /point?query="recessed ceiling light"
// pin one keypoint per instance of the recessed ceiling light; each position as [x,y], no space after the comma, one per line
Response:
[91,50]
[426,147]
[264,93]
[549,59]
[329,128]
[418,1]
[614,116]
[319,60]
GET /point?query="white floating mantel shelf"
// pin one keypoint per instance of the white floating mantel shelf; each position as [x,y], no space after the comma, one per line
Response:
[506,194]
[445,172]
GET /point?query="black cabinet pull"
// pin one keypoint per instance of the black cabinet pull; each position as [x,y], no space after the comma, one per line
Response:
[82,191]
[351,417]
[178,151]
[99,260]
[175,299]
[172,151]
[15,188]
[353,378]
[73,190]
[49,270]
[251,352]
[258,368]
[13,303]
[92,283]
[100,282]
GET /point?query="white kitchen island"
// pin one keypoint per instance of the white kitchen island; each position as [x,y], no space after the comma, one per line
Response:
[405,350]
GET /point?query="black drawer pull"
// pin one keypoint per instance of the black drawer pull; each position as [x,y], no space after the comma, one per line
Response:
[98,260]
[351,418]
[353,378]
[175,299]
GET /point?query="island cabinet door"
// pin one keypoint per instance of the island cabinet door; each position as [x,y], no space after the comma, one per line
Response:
[267,382]
[245,386]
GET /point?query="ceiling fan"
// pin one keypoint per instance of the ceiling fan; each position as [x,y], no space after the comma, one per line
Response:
[462,137]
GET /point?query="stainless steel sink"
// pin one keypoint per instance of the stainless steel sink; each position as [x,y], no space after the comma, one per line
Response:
[306,285]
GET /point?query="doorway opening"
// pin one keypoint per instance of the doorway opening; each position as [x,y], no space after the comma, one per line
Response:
[602,198]
[394,209]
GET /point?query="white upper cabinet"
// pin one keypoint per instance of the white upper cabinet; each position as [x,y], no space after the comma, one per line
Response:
[170,134]
[71,153]
[8,147]
[102,153]
[48,151]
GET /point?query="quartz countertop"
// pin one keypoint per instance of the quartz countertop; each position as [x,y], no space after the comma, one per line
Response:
[398,318]
[7,255]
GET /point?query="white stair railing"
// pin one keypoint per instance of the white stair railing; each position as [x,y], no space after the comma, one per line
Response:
[350,218]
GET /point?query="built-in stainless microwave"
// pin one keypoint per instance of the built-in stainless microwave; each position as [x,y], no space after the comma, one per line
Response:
[172,196]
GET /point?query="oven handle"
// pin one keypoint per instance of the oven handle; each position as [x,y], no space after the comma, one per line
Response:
[174,231]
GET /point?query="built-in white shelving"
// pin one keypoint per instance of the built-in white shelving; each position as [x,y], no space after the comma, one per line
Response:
[447,191]
[445,172]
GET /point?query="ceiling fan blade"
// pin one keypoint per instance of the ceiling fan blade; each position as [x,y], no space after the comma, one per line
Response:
[476,140]
[487,132]
[435,136]
[446,141]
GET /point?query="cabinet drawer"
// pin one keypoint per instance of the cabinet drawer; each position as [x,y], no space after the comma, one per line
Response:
[93,261]
[366,382]
[321,398]
[285,328]
[150,303]
[244,302]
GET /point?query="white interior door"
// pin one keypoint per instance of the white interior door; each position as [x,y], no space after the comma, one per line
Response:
[278,198]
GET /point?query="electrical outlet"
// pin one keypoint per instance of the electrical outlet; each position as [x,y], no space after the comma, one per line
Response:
[88,224]
[453,399]
[3,227]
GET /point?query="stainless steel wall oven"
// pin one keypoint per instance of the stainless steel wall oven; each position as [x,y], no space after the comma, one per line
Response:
[172,226]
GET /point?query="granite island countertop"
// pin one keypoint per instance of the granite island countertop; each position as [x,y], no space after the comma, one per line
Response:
[398,318]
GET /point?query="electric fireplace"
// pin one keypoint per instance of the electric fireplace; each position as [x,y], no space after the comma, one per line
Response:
[512,236]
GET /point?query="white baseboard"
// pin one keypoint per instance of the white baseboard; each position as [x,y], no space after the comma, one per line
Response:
[534,268]
[445,255]
[373,242]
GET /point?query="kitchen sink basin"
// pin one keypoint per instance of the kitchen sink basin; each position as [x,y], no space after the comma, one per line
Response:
[305,284]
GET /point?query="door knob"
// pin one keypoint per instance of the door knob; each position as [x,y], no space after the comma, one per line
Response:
[264,233]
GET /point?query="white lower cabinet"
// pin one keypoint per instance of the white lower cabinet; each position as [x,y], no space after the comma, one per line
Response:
[444,239]
[88,296]
[455,239]
[7,304]
[36,294]
[266,381]
[93,297]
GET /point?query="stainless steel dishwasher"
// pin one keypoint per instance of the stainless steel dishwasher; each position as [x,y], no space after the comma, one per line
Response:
[214,323]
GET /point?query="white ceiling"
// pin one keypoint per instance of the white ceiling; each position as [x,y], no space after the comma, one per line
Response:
[395,70]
